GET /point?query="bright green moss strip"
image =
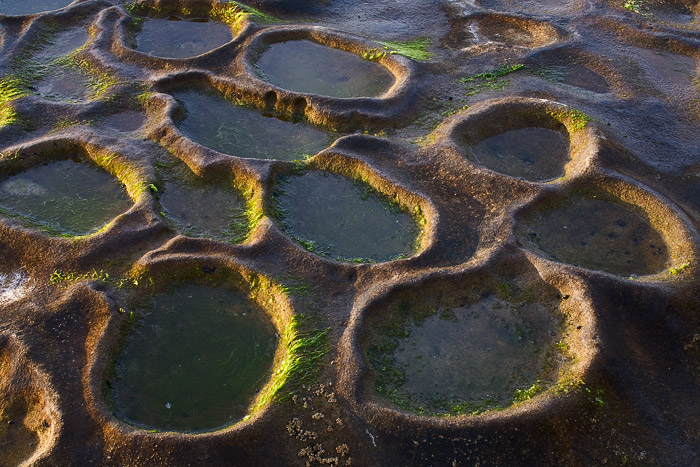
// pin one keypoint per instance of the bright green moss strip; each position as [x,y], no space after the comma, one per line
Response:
[305,348]
[12,87]
[416,49]
[493,80]
[577,119]
[234,14]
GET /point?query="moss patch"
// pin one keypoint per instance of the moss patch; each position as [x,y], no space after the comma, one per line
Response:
[576,119]
[12,87]
[416,49]
[306,346]
[490,80]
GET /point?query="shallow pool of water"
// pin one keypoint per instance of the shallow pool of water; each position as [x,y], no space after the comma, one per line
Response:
[600,235]
[584,78]
[242,132]
[464,359]
[175,37]
[341,218]
[27,7]
[195,360]
[125,122]
[308,67]
[534,6]
[68,197]
[63,84]
[64,42]
[535,154]
[200,208]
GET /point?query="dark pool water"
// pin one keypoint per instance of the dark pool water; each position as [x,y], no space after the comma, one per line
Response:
[68,197]
[308,67]
[195,360]
[344,219]
[600,235]
[176,37]
[200,208]
[125,122]
[242,132]
[535,154]
[511,32]
[28,7]
[583,77]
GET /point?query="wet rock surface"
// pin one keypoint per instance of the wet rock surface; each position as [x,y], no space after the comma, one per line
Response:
[543,156]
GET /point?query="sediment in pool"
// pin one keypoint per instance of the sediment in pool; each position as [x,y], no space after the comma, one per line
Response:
[17,441]
[64,42]
[485,347]
[670,12]
[513,31]
[63,84]
[596,233]
[672,69]
[575,75]
[27,412]
[532,153]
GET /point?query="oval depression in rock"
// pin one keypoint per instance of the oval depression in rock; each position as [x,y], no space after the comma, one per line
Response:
[309,67]
[64,84]
[466,355]
[533,153]
[126,121]
[596,234]
[28,414]
[239,131]
[194,361]
[176,37]
[583,77]
[335,216]
[25,7]
[64,42]
[201,208]
[67,197]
